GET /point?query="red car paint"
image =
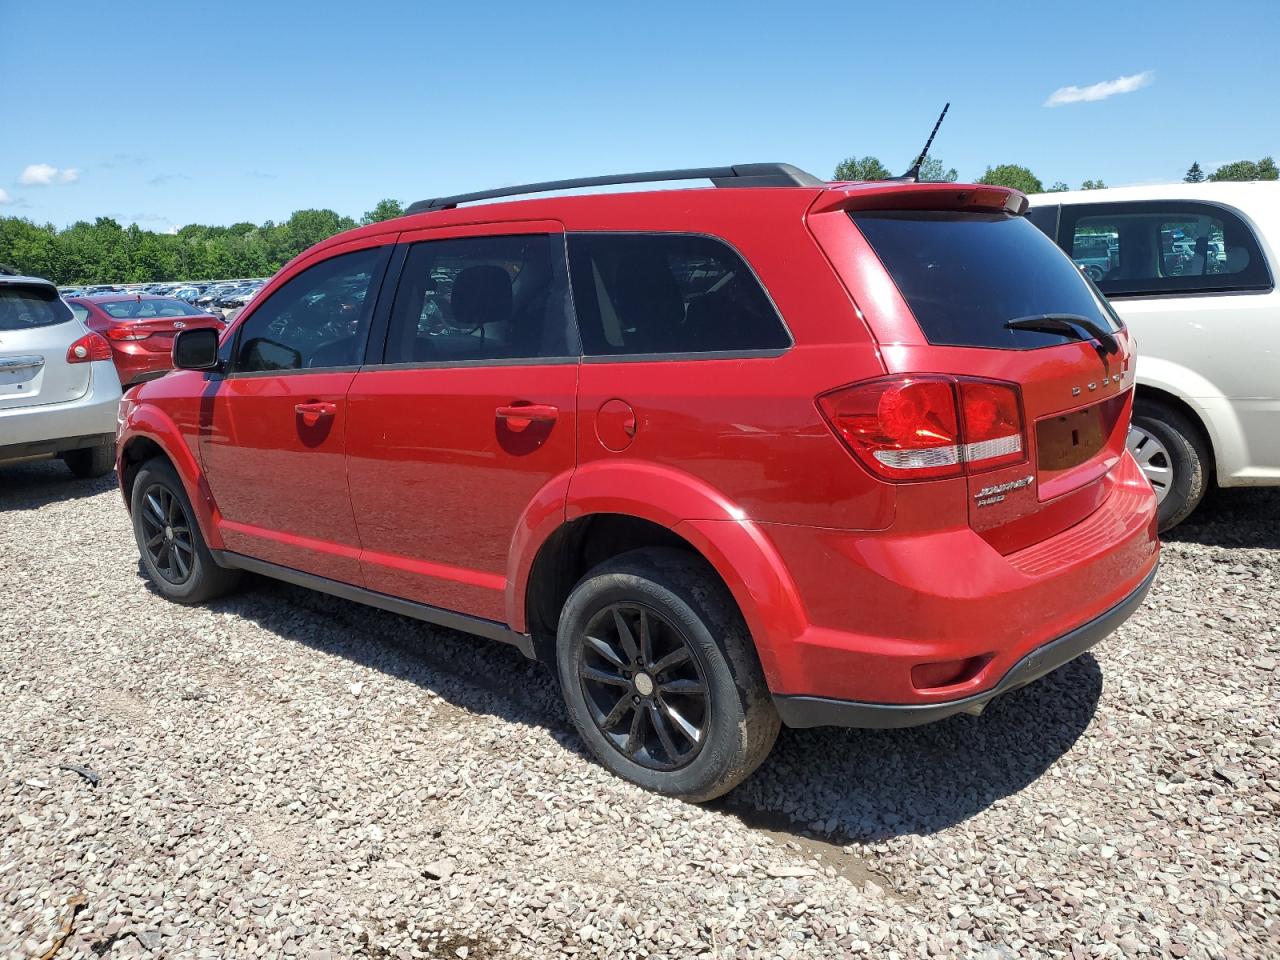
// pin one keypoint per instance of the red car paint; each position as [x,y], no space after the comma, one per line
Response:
[426,483]
[149,342]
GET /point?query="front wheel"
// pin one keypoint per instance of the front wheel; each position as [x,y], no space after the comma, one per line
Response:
[660,676]
[1173,455]
[173,551]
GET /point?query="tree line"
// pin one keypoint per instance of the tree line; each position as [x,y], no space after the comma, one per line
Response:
[1021,178]
[106,252]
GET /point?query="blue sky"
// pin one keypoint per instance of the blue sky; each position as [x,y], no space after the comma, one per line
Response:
[173,113]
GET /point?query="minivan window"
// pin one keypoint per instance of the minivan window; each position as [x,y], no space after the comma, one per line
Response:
[658,293]
[966,275]
[1164,247]
[320,318]
[495,298]
[22,308]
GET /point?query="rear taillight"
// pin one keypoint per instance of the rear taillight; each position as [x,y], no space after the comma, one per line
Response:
[924,428]
[89,348]
[124,332]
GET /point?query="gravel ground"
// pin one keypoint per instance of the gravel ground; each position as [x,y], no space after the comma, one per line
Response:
[286,774]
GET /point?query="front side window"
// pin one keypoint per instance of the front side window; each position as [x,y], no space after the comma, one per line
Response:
[319,319]
[657,293]
[1153,248]
[497,298]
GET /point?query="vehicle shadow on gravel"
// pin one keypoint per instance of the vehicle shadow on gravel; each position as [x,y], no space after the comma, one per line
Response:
[29,486]
[866,785]
[1238,517]
[836,785]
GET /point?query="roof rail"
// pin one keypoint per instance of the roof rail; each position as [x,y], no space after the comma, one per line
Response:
[740,175]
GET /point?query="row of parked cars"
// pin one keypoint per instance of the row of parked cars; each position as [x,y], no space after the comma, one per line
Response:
[221,298]
[779,452]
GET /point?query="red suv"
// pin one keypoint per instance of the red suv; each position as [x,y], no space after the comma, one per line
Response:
[781,451]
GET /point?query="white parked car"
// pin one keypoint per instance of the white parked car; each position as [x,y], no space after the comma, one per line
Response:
[59,391]
[1191,269]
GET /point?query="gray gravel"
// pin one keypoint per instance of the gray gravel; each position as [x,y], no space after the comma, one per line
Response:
[285,774]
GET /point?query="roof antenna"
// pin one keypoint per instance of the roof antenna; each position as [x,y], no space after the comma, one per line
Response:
[914,172]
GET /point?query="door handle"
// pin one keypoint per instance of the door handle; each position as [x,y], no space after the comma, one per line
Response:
[520,415]
[312,412]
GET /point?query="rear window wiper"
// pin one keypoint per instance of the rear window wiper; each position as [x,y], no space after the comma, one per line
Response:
[1084,328]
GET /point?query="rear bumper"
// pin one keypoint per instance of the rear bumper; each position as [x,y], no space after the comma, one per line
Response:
[802,711]
[54,427]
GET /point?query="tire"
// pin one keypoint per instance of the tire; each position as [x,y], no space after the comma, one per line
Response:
[684,606]
[88,463]
[186,573]
[1177,463]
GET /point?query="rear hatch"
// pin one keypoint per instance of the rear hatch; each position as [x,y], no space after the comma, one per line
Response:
[36,329]
[994,300]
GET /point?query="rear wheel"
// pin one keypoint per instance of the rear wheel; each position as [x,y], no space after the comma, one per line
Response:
[660,676]
[1173,455]
[173,552]
[90,462]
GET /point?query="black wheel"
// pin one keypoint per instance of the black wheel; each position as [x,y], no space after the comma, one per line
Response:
[660,676]
[174,554]
[1175,457]
[90,462]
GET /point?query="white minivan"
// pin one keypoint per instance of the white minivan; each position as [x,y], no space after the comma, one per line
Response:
[59,391]
[1191,270]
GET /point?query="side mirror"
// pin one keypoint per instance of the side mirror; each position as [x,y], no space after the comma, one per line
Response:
[196,349]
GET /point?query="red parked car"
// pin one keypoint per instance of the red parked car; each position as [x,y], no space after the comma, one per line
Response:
[781,451]
[140,329]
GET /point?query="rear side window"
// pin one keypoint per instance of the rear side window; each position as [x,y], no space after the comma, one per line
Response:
[1162,248]
[492,299]
[965,275]
[22,308]
[668,294]
[318,319]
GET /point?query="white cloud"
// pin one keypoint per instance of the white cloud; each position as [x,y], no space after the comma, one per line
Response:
[4,196]
[1101,90]
[44,174]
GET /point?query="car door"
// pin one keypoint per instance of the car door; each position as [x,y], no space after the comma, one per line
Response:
[469,417]
[1192,281]
[273,429]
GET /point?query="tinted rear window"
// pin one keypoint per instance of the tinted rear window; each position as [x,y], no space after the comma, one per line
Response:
[22,308]
[966,275]
[148,309]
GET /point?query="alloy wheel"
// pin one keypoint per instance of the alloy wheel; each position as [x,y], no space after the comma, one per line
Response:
[167,536]
[643,686]
[1153,457]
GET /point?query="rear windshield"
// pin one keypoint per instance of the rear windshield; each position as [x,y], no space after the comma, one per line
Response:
[22,308]
[966,275]
[149,309]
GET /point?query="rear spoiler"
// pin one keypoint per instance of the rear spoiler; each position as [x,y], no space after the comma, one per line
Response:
[900,195]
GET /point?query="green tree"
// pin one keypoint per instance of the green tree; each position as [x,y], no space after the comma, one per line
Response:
[1058,187]
[933,171]
[1093,185]
[1264,169]
[1194,173]
[861,168]
[1012,175]
[384,210]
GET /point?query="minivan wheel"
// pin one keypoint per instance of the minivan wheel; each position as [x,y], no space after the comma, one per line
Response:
[660,676]
[1173,455]
[174,555]
[88,463]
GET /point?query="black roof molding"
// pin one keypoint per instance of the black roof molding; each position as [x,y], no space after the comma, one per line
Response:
[739,175]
